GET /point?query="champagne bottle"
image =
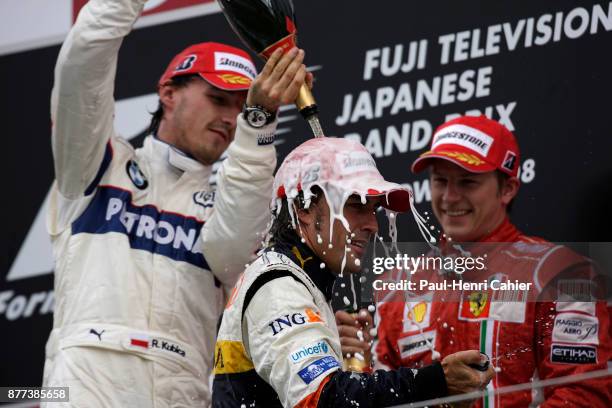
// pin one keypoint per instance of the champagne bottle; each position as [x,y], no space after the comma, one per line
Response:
[264,26]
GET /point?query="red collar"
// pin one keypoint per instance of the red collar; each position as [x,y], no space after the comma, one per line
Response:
[505,232]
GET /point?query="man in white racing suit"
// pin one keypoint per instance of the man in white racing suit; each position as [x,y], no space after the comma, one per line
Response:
[144,248]
[278,344]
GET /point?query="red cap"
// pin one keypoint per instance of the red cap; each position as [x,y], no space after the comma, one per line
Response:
[224,67]
[476,143]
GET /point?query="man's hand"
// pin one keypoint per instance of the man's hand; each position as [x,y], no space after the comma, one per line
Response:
[280,80]
[355,333]
[461,378]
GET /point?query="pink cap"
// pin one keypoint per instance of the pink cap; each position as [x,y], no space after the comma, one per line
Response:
[337,164]
[224,67]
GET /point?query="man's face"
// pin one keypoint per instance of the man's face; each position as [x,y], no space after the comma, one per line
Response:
[203,119]
[468,206]
[363,225]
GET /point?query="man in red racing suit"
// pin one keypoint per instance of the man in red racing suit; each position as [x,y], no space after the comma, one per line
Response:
[527,339]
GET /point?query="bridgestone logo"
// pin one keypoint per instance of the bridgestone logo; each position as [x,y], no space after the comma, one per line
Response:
[462,136]
[465,136]
[225,61]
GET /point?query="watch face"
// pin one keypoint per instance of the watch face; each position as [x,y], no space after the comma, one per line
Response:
[256,118]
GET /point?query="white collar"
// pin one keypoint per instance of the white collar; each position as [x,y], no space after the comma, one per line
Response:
[173,156]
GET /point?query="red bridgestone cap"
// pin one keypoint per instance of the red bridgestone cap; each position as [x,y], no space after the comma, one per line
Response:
[476,143]
[223,66]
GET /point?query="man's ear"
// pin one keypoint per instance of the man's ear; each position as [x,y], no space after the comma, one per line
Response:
[167,96]
[509,190]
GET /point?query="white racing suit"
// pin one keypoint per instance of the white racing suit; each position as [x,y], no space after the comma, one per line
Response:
[144,248]
[278,344]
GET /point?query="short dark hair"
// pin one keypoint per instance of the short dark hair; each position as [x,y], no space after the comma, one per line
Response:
[156,117]
[501,180]
[282,229]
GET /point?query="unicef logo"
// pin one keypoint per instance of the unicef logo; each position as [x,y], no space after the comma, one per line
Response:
[320,348]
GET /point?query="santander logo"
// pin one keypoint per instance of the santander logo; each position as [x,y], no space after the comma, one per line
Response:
[151,7]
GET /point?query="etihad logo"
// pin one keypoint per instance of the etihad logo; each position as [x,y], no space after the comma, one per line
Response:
[573,354]
[294,319]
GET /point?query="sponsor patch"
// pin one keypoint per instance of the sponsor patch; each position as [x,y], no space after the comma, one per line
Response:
[167,346]
[139,341]
[319,348]
[311,174]
[225,61]
[97,333]
[586,307]
[475,305]
[573,354]
[570,290]
[411,345]
[265,139]
[234,79]
[187,63]
[231,357]
[204,198]
[134,173]
[575,328]
[309,373]
[416,316]
[465,136]
[509,161]
[293,319]
[355,162]
[169,234]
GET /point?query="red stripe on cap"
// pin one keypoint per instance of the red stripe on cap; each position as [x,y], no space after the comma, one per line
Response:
[139,343]
[371,191]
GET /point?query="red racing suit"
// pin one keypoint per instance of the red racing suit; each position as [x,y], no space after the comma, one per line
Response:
[525,340]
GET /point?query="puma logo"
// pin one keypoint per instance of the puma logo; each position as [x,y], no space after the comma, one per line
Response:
[92,331]
[298,255]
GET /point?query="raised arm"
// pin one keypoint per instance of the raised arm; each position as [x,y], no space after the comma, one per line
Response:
[242,202]
[82,105]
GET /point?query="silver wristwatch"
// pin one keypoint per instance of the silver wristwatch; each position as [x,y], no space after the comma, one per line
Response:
[257,116]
